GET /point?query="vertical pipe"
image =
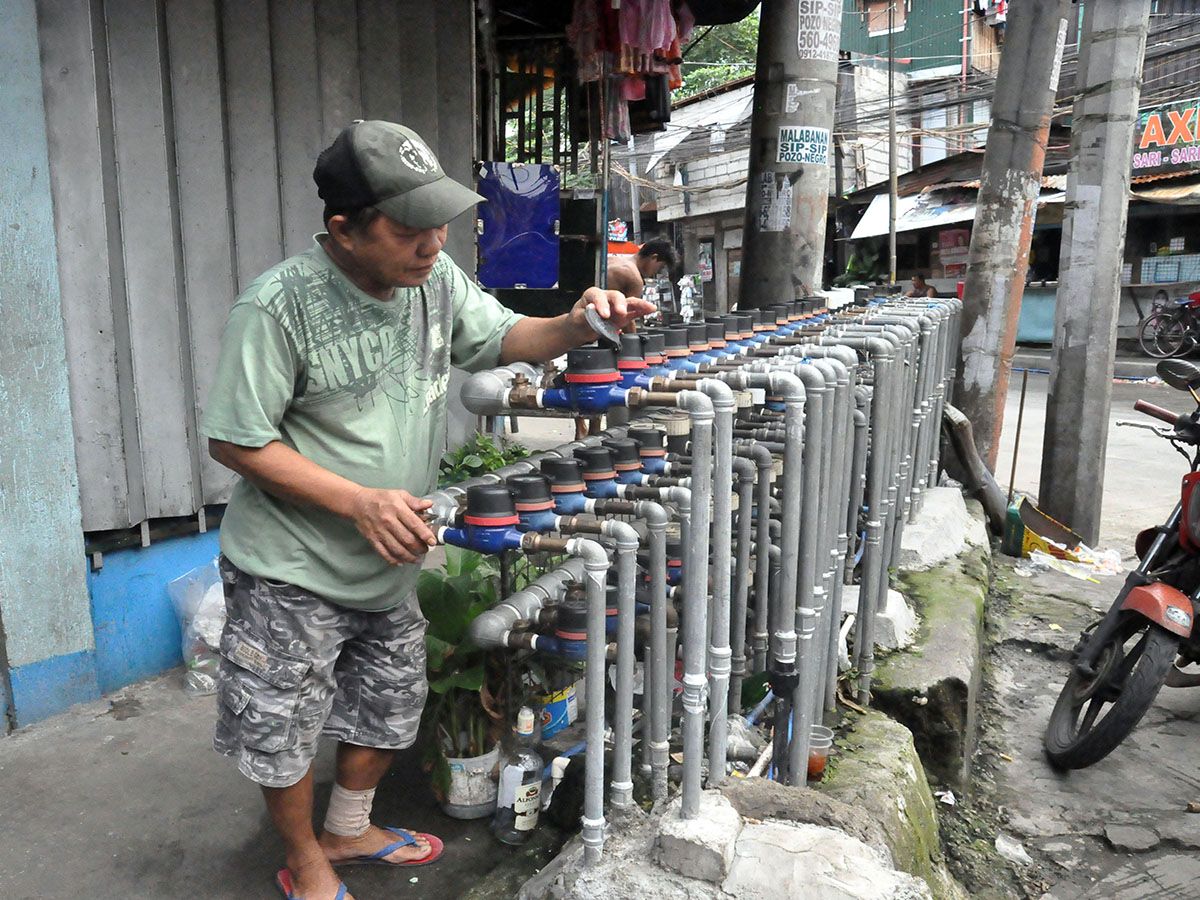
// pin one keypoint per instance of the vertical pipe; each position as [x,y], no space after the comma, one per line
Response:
[858,483]
[596,567]
[893,162]
[802,695]
[719,652]
[762,562]
[695,610]
[783,666]
[621,789]
[660,672]
[737,639]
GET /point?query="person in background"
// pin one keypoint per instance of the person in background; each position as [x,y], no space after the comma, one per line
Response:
[329,400]
[920,287]
[628,275]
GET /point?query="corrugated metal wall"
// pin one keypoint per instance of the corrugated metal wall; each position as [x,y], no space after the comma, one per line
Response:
[182,139]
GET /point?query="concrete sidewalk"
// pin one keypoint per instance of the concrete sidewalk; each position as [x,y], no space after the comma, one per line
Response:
[125,798]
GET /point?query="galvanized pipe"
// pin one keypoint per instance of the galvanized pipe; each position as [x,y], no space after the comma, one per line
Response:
[621,787]
[765,463]
[596,565]
[744,470]
[695,610]
[873,572]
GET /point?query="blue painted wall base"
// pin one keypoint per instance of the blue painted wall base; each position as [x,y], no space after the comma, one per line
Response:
[137,634]
[48,686]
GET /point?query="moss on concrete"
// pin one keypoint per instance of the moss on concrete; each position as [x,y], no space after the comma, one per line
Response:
[932,687]
[880,773]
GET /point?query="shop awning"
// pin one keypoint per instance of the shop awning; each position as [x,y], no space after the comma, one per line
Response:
[931,209]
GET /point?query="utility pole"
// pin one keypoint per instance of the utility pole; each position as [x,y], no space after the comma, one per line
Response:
[787,190]
[1108,86]
[1012,174]
[893,173]
[635,198]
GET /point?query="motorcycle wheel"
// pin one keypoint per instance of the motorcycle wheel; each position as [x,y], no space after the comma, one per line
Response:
[1093,715]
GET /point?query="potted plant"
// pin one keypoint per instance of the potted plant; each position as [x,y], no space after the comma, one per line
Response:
[462,718]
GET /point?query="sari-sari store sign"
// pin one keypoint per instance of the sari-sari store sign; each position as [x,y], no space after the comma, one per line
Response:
[1167,138]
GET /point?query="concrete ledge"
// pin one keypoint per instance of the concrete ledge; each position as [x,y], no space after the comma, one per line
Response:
[939,531]
[932,688]
[784,860]
[895,627]
[701,847]
[758,798]
[877,772]
[782,842]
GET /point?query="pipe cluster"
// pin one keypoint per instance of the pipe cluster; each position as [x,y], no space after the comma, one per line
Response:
[787,446]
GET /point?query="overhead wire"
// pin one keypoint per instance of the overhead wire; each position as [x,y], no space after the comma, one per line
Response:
[932,97]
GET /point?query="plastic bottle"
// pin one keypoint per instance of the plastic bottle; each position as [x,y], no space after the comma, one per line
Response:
[518,800]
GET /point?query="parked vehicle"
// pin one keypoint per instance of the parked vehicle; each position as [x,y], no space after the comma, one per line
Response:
[1123,660]
[1172,329]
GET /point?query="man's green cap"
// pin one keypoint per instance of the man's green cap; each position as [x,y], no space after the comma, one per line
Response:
[389,167]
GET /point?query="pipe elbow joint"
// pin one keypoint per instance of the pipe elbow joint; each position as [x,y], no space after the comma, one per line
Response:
[624,533]
[718,392]
[593,554]
[486,393]
[696,404]
[445,507]
[653,514]
[789,386]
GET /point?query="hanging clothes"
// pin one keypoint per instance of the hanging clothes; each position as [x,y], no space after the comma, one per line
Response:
[636,40]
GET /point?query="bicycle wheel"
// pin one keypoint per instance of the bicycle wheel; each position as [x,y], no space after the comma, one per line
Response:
[1162,335]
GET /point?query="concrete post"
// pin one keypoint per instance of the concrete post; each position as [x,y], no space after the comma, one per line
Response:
[1012,172]
[787,191]
[1111,48]
[45,622]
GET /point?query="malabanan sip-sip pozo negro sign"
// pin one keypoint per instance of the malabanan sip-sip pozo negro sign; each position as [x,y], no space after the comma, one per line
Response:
[1167,138]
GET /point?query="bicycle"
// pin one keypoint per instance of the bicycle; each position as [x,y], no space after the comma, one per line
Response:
[1172,330]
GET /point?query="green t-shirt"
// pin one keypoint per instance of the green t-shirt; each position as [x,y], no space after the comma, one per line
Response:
[358,386]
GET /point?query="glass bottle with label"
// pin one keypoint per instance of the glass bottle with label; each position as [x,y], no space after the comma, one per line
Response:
[519,797]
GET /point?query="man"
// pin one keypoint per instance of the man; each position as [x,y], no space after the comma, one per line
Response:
[629,277]
[330,401]
[921,288]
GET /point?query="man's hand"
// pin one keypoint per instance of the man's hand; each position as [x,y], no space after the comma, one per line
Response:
[612,305]
[391,521]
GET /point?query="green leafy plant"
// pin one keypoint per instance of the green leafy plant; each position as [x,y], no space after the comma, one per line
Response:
[718,55]
[463,715]
[479,455]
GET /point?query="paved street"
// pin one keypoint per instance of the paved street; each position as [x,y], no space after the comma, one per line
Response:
[1142,477]
[1119,829]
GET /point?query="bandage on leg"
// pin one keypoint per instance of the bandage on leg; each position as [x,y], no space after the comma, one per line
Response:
[349,812]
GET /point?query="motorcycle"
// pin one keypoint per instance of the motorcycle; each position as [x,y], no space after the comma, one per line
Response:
[1122,661]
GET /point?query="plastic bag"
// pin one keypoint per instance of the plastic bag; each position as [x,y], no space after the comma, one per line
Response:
[199,600]
[745,742]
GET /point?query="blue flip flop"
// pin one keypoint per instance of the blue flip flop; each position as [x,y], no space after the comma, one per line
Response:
[407,839]
[283,881]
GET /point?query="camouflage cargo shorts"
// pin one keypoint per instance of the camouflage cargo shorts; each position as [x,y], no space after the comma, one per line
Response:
[295,666]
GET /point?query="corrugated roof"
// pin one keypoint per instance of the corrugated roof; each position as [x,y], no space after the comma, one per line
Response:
[1162,176]
[1052,182]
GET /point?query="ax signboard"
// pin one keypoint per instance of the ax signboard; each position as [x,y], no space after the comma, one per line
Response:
[1167,138]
